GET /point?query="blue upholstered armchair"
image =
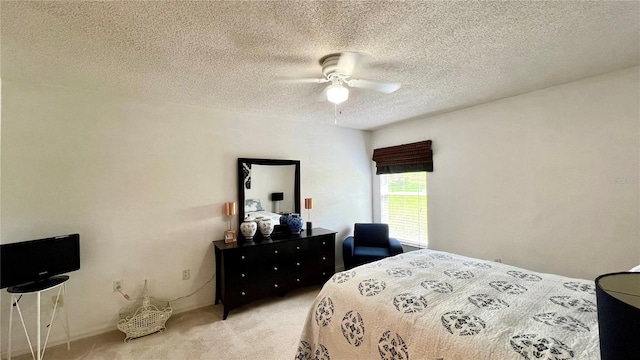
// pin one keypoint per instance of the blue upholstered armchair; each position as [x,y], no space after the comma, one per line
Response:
[369,242]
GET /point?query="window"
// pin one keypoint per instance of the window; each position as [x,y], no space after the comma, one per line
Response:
[403,202]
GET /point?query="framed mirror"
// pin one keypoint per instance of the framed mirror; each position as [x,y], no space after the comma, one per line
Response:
[267,188]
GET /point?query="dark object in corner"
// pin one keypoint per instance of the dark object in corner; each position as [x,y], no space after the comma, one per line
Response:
[618,298]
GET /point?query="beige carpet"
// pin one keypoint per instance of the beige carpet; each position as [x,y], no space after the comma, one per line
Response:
[267,329]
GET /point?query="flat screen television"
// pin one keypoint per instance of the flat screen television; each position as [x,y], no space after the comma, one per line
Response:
[31,262]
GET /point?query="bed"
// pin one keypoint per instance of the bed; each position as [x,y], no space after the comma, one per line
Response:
[265,214]
[254,209]
[434,305]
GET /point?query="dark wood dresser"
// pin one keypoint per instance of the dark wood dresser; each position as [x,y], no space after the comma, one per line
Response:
[248,271]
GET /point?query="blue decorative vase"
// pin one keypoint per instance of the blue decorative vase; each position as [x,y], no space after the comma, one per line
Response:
[294,222]
[283,219]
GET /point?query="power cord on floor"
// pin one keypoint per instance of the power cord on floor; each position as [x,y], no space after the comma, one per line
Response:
[193,293]
[128,298]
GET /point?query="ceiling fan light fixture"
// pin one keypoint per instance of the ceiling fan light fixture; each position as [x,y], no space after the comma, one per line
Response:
[336,93]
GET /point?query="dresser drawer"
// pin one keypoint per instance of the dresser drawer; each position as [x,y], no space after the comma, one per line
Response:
[313,262]
[276,261]
[256,259]
[275,269]
[278,285]
[245,260]
[303,279]
[311,276]
[244,293]
[278,281]
[311,247]
[243,276]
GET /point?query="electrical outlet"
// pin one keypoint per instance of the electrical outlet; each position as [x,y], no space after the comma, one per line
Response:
[186,274]
[498,260]
[117,286]
[60,301]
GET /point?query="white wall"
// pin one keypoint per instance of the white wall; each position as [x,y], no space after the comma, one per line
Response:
[547,181]
[144,184]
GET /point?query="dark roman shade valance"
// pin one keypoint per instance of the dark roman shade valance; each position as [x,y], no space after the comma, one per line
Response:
[404,158]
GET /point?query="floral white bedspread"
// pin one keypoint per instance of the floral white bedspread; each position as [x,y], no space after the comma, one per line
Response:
[266,214]
[433,305]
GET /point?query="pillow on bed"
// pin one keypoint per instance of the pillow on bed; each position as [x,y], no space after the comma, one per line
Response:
[635,269]
[253,205]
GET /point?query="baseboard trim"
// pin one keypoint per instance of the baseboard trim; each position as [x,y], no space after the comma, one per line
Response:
[95,332]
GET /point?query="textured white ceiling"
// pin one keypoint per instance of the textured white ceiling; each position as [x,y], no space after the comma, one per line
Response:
[228,55]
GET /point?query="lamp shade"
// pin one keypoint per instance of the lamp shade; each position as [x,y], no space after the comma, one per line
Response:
[336,93]
[308,203]
[230,209]
[618,298]
[277,196]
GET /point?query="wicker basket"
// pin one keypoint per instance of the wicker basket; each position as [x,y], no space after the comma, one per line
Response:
[144,317]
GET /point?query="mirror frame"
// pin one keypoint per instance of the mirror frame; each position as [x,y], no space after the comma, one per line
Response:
[274,162]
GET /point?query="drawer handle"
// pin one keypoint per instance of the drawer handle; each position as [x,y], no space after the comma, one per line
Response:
[324,258]
[275,285]
[324,243]
[324,273]
[298,280]
[242,275]
[275,268]
[243,294]
[275,251]
[297,247]
[242,257]
[298,264]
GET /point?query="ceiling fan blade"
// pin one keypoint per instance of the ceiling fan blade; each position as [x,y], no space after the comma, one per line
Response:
[323,95]
[386,88]
[303,80]
[348,61]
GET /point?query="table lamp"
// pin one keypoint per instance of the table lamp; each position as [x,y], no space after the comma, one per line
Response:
[308,204]
[618,302]
[276,198]
[229,211]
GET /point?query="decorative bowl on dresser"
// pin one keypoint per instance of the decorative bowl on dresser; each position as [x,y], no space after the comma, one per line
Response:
[249,271]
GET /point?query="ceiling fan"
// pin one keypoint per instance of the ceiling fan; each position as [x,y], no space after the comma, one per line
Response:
[337,69]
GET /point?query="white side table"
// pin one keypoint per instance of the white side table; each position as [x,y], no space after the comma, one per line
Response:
[38,288]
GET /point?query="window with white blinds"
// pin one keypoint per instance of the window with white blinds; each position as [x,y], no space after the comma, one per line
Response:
[403,200]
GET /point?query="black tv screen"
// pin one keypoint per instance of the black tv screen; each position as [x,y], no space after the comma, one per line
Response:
[38,260]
